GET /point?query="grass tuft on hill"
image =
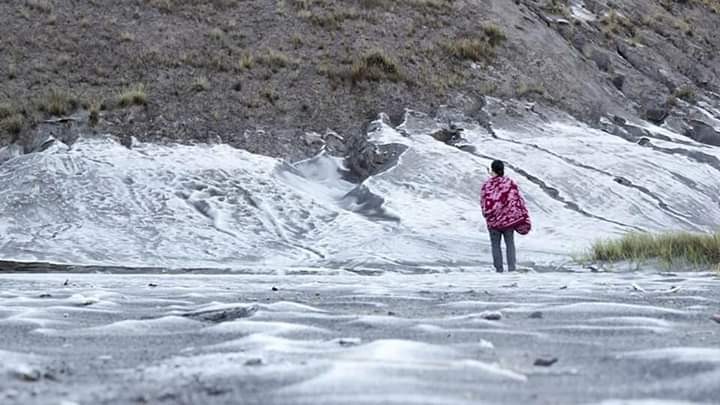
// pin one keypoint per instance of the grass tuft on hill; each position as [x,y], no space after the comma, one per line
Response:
[133,96]
[477,48]
[676,247]
[375,65]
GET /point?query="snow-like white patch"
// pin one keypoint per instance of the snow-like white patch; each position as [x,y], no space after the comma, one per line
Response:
[679,354]
[145,327]
[578,11]
[202,206]
[646,401]
[246,327]
[612,308]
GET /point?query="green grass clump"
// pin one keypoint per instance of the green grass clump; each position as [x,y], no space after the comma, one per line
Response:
[677,247]
[133,96]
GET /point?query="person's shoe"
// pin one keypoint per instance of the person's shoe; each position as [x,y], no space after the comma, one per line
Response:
[510,270]
[498,271]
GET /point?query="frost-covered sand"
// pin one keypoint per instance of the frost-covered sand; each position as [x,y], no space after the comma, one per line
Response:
[374,302]
[211,206]
[332,337]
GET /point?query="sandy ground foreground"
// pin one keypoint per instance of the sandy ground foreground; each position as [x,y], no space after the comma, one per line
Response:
[464,337]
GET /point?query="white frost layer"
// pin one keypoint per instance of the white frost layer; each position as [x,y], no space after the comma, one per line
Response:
[679,354]
[181,206]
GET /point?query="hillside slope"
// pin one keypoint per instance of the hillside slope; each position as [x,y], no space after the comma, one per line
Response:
[260,75]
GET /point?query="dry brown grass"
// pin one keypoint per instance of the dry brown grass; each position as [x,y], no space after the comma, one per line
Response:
[375,65]
[275,59]
[614,23]
[693,248]
[246,62]
[686,93]
[200,84]
[11,121]
[58,102]
[481,47]
[12,124]
[44,6]
[134,95]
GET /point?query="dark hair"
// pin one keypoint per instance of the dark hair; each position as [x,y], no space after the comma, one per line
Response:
[498,167]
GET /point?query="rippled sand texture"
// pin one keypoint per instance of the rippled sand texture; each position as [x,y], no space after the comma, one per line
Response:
[333,337]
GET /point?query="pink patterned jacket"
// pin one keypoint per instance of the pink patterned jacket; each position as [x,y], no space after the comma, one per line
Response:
[503,205]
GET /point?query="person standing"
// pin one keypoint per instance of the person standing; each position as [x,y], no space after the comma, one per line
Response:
[505,213]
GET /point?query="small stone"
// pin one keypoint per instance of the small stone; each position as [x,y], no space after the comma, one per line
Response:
[545,361]
[391,313]
[275,289]
[26,373]
[152,285]
[564,287]
[716,317]
[345,342]
[45,295]
[254,362]
[491,315]
[536,315]
[66,282]
[618,81]
[636,287]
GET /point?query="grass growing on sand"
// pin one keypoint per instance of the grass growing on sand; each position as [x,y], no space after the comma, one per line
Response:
[699,249]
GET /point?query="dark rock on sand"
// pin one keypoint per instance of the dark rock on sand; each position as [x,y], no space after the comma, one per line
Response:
[545,361]
[223,315]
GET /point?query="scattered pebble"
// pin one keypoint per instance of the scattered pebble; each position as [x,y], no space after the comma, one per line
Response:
[275,289]
[674,289]
[563,287]
[223,315]
[152,285]
[391,313]
[349,341]
[545,361]
[637,288]
[45,295]
[491,315]
[716,317]
[536,315]
[67,282]
[26,373]
[254,362]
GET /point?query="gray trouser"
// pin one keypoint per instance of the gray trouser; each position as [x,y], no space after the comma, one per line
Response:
[508,235]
